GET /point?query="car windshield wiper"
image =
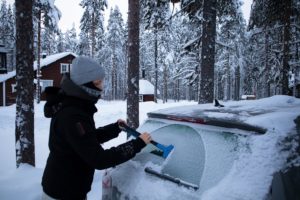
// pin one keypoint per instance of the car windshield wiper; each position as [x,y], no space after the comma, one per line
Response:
[170,178]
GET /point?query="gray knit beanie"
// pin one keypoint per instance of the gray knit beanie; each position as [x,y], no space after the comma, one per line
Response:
[85,69]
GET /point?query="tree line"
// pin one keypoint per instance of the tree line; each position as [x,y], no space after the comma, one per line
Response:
[232,60]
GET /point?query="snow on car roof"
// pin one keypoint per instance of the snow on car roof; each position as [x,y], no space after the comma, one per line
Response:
[242,112]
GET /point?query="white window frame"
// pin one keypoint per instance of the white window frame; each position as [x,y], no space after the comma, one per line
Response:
[13,88]
[64,68]
[46,83]
[141,98]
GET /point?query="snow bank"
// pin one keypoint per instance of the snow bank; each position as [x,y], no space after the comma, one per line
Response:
[24,183]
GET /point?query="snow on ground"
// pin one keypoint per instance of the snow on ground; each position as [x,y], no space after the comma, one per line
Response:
[248,179]
[24,183]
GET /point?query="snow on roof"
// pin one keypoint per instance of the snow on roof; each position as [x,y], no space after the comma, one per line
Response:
[146,87]
[245,96]
[44,62]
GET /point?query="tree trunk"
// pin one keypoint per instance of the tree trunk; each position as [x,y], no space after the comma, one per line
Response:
[208,52]
[228,78]
[38,88]
[114,73]
[237,84]
[295,74]
[24,79]
[286,49]
[267,66]
[113,79]
[133,64]
[93,35]
[165,99]
[155,66]
[177,90]
[220,93]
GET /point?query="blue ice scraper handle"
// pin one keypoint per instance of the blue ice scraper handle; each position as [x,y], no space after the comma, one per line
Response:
[165,149]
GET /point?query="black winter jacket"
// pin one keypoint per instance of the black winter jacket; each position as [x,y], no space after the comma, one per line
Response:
[74,143]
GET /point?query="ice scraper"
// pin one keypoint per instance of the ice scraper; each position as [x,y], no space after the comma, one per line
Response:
[165,150]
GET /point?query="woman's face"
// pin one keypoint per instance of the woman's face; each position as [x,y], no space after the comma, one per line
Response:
[98,84]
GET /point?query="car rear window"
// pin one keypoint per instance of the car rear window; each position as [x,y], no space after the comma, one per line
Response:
[201,156]
[186,161]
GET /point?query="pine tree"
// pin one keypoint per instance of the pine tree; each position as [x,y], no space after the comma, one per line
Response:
[190,57]
[274,20]
[48,44]
[185,58]
[156,13]
[133,64]
[230,56]
[205,14]
[208,51]
[84,44]
[47,13]
[3,21]
[24,79]
[92,23]
[71,40]
[61,46]
[7,33]
[115,41]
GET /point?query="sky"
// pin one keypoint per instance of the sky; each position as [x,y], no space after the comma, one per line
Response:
[72,11]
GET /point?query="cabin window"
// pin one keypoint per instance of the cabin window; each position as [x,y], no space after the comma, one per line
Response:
[141,98]
[3,68]
[13,88]
[46,83]
[64,68]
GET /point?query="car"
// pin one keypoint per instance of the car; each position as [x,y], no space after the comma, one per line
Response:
[201,143]
[208,141]
[286,183]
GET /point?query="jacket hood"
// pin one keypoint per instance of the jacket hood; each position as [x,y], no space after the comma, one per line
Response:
[54,96]
[57,98]
[73,90]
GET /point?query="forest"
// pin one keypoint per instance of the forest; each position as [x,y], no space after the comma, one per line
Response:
[259,58]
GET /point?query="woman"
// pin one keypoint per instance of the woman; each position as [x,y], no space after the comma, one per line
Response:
[74,142]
